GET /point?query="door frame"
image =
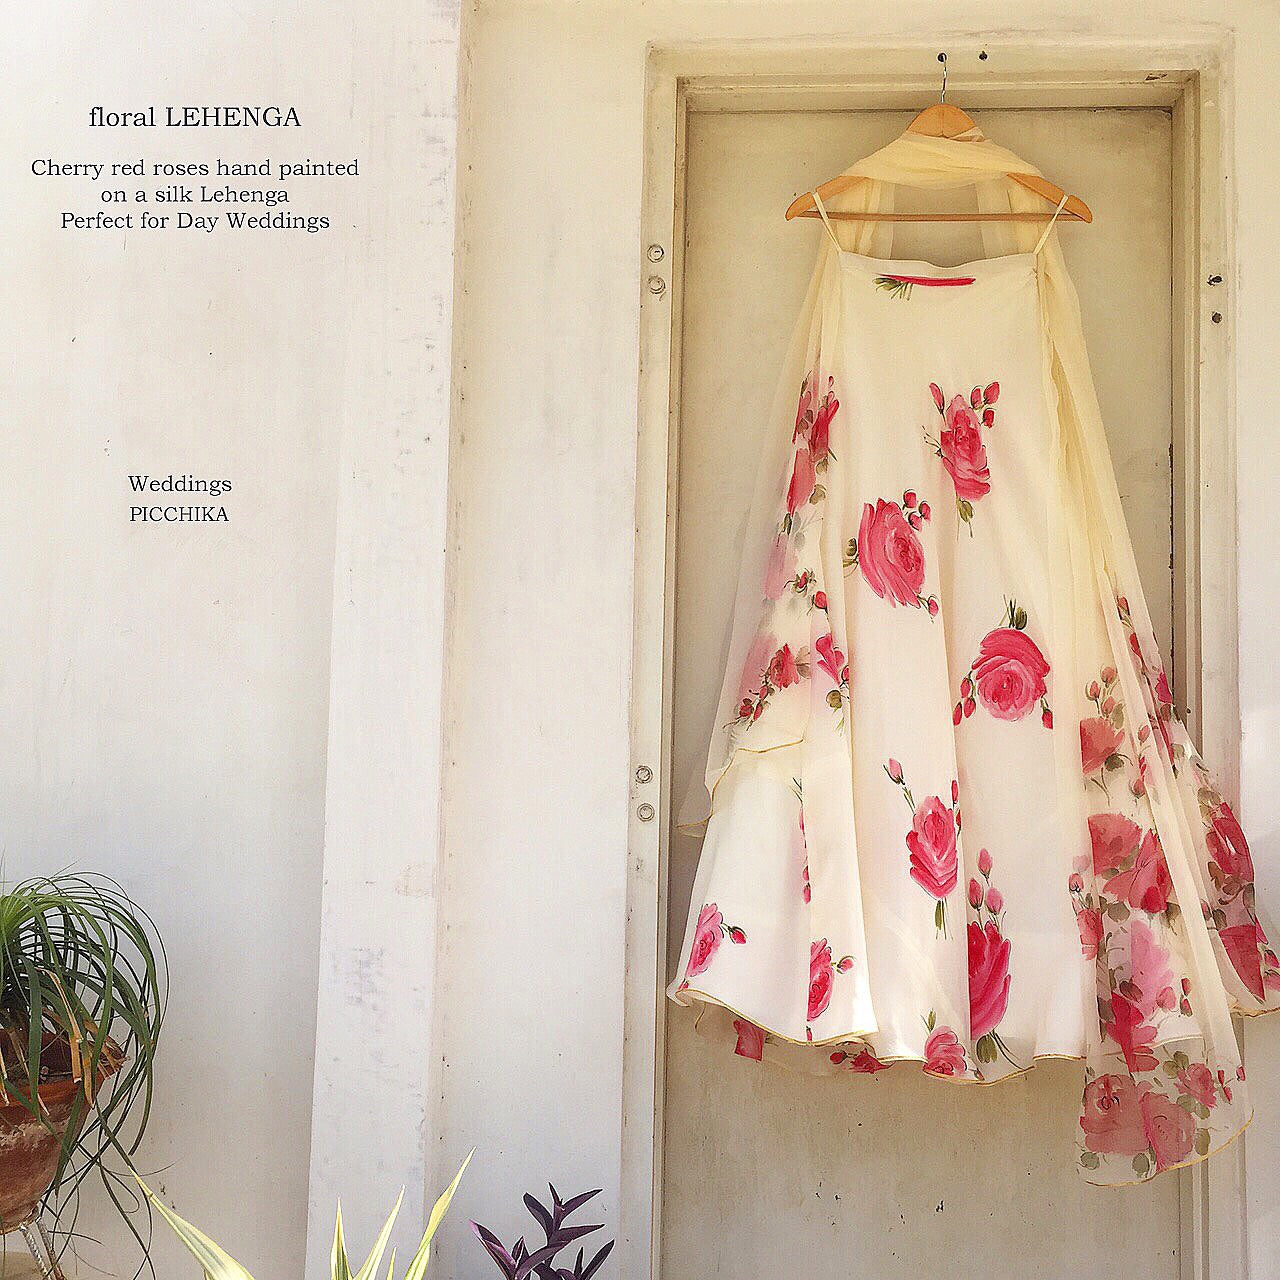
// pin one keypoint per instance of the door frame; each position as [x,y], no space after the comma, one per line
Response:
[1189,78]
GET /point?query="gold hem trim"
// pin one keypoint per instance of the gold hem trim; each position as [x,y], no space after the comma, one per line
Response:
[704,1000]
[1182,1164]
[703,997]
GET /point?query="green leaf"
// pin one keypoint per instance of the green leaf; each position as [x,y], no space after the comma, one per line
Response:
[1089,1159]
[418,1266]
[1020,619]
[1202,1142]
[1142,1164]
[338,1264]
[374,1260]
[217,1264]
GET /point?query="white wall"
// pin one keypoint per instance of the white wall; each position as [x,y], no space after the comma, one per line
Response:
[164,690]
[536,788]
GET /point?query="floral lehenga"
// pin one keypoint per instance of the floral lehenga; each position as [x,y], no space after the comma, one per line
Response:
[954,817]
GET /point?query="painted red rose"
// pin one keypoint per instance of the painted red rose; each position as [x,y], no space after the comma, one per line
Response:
[1112,1117]
[1089,922]
[944,1054]
[889,554]
[932,842]
[1099,740]
[1164,695]
[988,977]
[803,477]
[1197,1081]
[706,939]
[820,432]
[1227,845]
[1131,1031]
[750,1040]
[1147,884]
[864,1061]
[1243,944]
[1170,1129]
[831,660]
[822,977]
[1113,838]
[783,670]
[963,453]
[1009,673]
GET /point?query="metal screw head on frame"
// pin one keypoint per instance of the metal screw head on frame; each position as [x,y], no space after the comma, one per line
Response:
[657,286]
[645,812]
[655,253]
[644,774]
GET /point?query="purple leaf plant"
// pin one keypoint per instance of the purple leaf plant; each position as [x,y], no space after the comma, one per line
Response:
[520,1262]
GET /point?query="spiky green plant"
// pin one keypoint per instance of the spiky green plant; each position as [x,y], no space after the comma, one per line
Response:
[219,1265]
[83,986]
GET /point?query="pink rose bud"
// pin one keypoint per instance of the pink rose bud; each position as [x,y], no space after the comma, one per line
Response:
[736,935]
[933,606]
[845,964]
[909,498]
[1240,1072]
[1122,603]
[975,397]
[975,893]
[1108,706]
[995,901]
[1046,718]
[895,771]
[1186,986]
[1166,999]
[1075,884]
[984,862]
[1094,690]
[838,1057]
[992,393]
[936,392]
[969,707]
[1184,1008]
[914,520]
[1108,674]
[966,687]
[1144,733]
[958,714]
[988,417]
[955,792]
[925,510]
[820,599]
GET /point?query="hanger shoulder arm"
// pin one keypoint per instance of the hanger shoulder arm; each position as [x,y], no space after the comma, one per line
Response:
[802,204]
[1053,193]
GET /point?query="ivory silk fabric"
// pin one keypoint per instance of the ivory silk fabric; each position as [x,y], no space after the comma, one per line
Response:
[954,819]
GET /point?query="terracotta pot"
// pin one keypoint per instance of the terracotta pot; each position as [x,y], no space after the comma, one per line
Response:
[29,1148]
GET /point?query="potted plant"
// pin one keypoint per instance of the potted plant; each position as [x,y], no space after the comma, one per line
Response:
[82,996]
[524,1262]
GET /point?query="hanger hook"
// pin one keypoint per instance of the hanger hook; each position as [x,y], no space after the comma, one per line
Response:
[942,58]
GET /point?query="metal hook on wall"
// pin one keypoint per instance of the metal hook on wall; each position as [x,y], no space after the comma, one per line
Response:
[942,58]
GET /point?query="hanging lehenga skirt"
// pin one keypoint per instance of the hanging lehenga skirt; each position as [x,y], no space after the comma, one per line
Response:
[954,818]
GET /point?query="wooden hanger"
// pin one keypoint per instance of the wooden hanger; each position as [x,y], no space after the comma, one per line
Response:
[942,120]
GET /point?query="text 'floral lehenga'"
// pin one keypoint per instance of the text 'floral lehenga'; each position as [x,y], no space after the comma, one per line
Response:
[954,819]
